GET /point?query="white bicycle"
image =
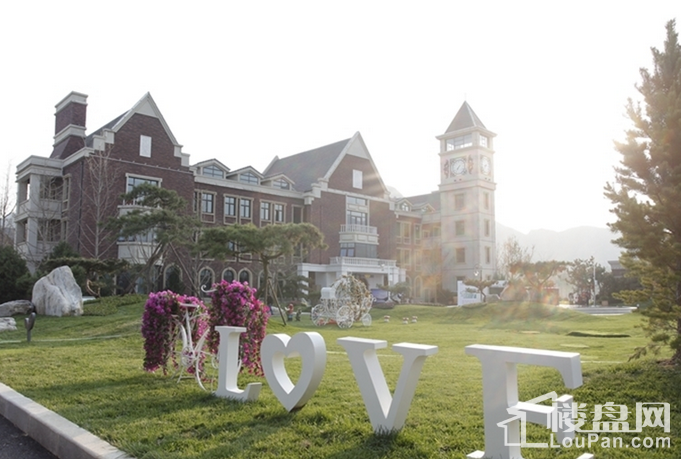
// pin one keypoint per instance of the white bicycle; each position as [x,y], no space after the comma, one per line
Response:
[193,359]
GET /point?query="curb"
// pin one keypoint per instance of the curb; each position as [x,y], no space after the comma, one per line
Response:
[55,433]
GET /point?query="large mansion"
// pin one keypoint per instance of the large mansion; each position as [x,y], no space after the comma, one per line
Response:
[429,241]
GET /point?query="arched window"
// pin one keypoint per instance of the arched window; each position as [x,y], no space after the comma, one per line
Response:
[249,177]
[244,276]
[228,275]
[213,171]
[261,281]
[172,279]
[206,278]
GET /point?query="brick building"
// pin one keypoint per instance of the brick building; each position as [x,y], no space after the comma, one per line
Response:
[428,241]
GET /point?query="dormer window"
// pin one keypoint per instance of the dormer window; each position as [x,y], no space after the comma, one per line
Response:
[213,171]
[281,183]
[460,142]
[249,177]
[405,207]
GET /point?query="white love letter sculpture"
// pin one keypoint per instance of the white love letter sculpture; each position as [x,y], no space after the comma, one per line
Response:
[310,346]
[228,370]
[500,395]
[386,413]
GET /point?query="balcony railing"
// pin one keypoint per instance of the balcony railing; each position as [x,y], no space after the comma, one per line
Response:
[359,229]
[45,208]
[366,262]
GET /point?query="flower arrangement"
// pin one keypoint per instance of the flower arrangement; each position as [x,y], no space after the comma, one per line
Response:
[235,304]
[159,329]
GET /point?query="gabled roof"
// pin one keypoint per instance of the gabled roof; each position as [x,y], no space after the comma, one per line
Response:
[275,177]
[422,200]
[465,119]
[243,170]
[272,178]
[144,106]
[211,162]
[90,138]
[307,167]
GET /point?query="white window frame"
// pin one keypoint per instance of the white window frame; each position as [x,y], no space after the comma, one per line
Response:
[278,212]
[250,209]
[145,146]
[265,211]
[357,179]
[235,206]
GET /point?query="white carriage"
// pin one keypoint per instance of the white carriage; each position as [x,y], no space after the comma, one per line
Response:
[345,302]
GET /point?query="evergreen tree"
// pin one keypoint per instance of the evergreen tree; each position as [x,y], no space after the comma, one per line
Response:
[162,218]
[265,244]
[537,276]
[13,275]
[647,196]
[582,274]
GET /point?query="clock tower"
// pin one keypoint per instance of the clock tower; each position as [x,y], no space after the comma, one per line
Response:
[468,236]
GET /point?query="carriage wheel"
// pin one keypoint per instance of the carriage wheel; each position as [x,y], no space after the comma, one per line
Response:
[366,319]
[344,317]
[317,316]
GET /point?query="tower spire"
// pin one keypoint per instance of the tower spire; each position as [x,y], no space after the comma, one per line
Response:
[465,118]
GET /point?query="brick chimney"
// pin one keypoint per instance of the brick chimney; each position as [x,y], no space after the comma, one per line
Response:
[69,125]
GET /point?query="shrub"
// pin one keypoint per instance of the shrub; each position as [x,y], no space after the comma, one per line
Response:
[14,275]
[235,304]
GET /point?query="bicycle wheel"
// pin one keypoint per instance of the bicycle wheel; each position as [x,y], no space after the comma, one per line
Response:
[182,354]
[206,366]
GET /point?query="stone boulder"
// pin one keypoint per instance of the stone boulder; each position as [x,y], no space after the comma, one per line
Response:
[58,294]
[7,324]
[13,308]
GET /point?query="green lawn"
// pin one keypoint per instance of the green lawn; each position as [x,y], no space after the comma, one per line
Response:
[89,370]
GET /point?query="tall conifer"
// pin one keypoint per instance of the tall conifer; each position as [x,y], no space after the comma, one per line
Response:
[646,196]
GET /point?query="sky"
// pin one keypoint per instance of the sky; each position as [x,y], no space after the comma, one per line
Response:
[245,81]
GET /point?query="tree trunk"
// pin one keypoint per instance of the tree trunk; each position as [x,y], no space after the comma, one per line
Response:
[676,358]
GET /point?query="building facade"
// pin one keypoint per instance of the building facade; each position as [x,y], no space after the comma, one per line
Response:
[428,241]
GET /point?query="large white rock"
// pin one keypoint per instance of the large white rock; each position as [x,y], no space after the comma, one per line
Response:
[13,308]
[7,324]
[58,294]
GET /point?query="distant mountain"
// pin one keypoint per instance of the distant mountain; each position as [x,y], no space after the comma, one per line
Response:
[582,242]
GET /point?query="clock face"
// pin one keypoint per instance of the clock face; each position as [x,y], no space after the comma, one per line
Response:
[485,165]
[458,166]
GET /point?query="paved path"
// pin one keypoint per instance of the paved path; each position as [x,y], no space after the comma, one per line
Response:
[604,310]
[63,438]
[15,444]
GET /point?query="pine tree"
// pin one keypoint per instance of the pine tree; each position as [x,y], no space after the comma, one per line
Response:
[161,219]
[647,196]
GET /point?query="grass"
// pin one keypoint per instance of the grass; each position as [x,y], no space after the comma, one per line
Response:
[89,370]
